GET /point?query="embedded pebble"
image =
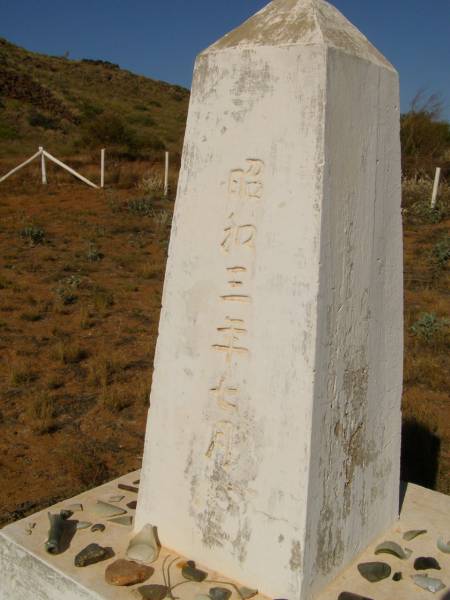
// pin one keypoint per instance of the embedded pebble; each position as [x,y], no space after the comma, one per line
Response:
[107,510]
[92,554]
[132,505]
[144,546]
[413,533]
[65,513]
[126,521]
[392,548]
[350,596]
[75,508]
[247,593]
[126,572]
[397,576]
[428,583]
[426,562]
[374,571]
[219,593]
[98,527]
[443,547]
[190,571]
[83,524]
[153,592]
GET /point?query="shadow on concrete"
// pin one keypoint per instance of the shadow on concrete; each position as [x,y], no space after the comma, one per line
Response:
[420,454]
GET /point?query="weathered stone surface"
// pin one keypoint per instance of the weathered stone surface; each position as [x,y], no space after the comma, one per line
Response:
[93,553]
[280,340]
[126,572]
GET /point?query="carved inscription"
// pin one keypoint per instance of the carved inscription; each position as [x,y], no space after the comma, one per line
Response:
[238,245]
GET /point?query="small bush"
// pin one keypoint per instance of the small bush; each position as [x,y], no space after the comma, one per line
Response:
[152,184]
[93,254]
[39,120]
[41,412]
[141,206]
[20,373]
[441,253]
[115,399]
[429,327]
[66,290]
[33,235]
[70,354]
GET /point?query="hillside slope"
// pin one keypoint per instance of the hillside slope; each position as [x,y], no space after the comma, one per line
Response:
[71,105]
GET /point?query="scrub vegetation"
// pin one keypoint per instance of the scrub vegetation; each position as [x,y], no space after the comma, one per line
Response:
[81,275]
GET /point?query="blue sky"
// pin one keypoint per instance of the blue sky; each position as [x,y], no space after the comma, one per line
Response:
[160,39]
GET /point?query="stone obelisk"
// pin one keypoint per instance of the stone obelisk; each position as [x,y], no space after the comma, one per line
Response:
[272,450]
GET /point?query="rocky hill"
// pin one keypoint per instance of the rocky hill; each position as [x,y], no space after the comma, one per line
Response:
[74,105]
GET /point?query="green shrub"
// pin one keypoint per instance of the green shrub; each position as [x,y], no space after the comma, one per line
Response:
[7,132]
[429,327]
[93,253]
[441,252]
[33,235]
[39,120]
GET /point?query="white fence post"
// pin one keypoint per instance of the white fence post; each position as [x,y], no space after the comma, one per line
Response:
[437,178]
[43,168]
[102,168]
[166,176]
[26,162]
[69,169]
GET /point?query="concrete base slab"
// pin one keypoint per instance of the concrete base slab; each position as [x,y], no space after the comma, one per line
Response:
[29,573]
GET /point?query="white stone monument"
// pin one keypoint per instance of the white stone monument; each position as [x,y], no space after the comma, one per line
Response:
[273,442]
[272,451]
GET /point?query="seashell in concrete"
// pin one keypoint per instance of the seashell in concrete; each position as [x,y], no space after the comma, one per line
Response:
[413,533]
[426,562]
[392,548]
[144,546]
[374,571]
[443,547]
[428,583]
[107,510]
[126,521]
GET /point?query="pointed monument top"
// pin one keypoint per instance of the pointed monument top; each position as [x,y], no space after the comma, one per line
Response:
[301,22]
